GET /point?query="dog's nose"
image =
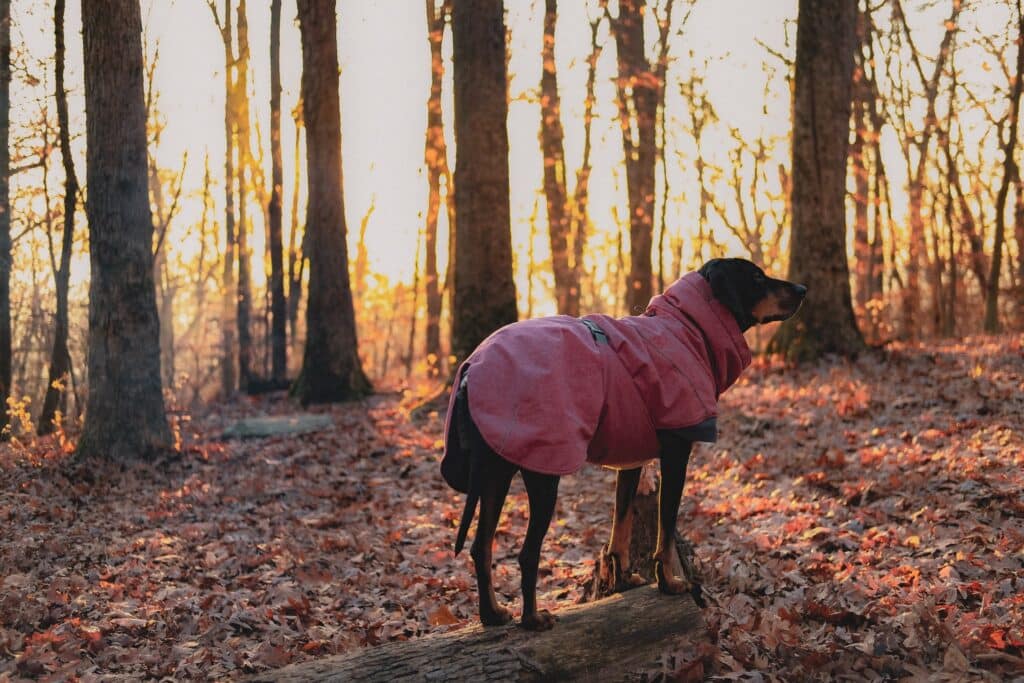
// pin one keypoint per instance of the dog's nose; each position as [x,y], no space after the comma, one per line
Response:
[801,291]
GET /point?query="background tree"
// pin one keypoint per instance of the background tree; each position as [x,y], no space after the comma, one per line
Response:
[436,159]
[278,306]
[1011,175]
[243,133]
[639,86]
[228,377]
[60,359]
[5,212]
[124,417]
[331,369]
[485,293]
[825,44]
[567,289]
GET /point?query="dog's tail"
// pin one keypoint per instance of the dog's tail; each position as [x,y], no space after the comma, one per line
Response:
[472,498]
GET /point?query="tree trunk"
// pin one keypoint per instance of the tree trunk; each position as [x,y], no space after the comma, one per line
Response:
[1010,175]
[917,180]
[243,297]
[435,157]
[278,306]
[638,103]
[296,245]
[862,189]
[125,416]
[60,358]
[485,292]
[581,194]
[331,369]
[5,213]
[824,67]
[567,291]
[229,380]
[606,640]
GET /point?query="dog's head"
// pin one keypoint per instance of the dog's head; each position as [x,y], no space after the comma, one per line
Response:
[750,295]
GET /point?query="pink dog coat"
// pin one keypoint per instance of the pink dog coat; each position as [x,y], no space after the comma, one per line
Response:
[549,394]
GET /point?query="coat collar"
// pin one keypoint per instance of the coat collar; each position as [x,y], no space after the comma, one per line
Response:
[690,301]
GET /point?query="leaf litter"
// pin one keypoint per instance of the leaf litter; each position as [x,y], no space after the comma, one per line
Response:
[857,520]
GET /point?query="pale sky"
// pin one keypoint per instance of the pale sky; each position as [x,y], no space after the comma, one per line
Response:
[384,83]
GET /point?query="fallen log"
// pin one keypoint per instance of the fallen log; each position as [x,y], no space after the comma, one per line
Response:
[604,640]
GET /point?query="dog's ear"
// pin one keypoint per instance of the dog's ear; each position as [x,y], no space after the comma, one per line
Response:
[725,283]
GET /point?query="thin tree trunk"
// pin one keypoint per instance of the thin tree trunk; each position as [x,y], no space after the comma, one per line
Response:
[296,245]
[1010,175]
[581,195]
[331,369]
[229,380]
[435,152]
[125,417]
[916,182]
[410,351]
[5,213]
[862,190]
[243,299]
[485,293]
[825,46]
[553,150]
[278,306]
[60,358]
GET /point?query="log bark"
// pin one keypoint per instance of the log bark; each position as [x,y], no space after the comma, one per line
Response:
[605,640]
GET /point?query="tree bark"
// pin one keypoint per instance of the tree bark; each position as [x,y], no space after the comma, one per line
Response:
[278,306]
[824,67]
[331,369]
[296,244]
[637,88]
[567,291]
[125,417]
[229,379]
[916,182]
[485,293]
[436,160]
[1010,175]
[858,159]
[60,358]
[243,297]
[606,640]
[5,213]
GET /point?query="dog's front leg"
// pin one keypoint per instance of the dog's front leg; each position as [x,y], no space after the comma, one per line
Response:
[617,553]
[675,454]
[542,490]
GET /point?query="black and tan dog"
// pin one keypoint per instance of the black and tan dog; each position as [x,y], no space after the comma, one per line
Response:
[543,396]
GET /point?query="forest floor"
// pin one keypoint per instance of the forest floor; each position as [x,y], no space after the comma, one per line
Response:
[857,520]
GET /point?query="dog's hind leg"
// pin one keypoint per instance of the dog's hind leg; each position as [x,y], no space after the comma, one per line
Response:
[617,553]
[542,490]
[494,478]
[675,454]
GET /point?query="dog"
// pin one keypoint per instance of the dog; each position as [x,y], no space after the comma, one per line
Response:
[543,396]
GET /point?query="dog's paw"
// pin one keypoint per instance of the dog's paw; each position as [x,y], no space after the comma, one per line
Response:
[667,583]
[498,617]
[538,621]
[622,580]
